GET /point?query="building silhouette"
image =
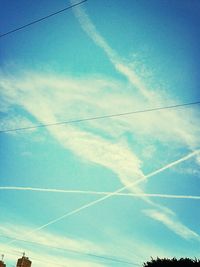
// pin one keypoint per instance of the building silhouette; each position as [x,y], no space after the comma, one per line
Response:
[2,264]
[23,262]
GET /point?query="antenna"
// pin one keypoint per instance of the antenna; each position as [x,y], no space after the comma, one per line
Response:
[23,254]
[2,257]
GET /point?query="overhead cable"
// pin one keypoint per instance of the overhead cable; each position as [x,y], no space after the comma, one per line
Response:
[100,117]
[41,19]
[104,257]
[101,199]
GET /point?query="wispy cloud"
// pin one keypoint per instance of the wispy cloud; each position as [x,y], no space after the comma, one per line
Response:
[46,257]
[98,143]
[172,223]
[119,65]
[129,251]
[46,238]
[118,144]
[127,186]
[178,124]
[101,96]
[48,98]
[12,122]
[75,252]
[153,98]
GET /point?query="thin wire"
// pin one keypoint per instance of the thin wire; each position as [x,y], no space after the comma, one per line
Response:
[109,258]
[41,19]
[19,252]
[92,203]
[100,117]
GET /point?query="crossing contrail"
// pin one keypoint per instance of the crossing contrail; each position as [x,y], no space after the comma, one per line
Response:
[88,192]
[92,203]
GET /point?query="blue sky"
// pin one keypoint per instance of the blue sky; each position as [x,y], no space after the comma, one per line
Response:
[102,57]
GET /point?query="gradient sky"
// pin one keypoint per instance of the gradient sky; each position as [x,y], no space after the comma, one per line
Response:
[102,57]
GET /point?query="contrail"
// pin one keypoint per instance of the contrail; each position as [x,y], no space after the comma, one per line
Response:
[87,192]
[92,203]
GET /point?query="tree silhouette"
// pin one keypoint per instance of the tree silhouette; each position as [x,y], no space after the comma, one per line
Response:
[183,262]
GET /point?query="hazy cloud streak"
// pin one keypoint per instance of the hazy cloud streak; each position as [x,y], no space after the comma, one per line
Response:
[169,222]
[119,65]
[92,203]
[123,67]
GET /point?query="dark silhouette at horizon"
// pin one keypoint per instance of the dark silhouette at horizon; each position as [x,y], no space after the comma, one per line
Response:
[182,262]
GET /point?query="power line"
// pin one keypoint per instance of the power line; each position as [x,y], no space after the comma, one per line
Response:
[44,261]
[99,200]
[109,258]
[41,19]
[100,117]
[92,203]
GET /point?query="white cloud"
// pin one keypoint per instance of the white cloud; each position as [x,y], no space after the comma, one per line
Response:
[49,239]
[119,249]
[52,99]
[120,66]
[47,255]
[181,128]
[59,99]
[13,122]
[63,97]
[131,251]
[46,258]
[171,222]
